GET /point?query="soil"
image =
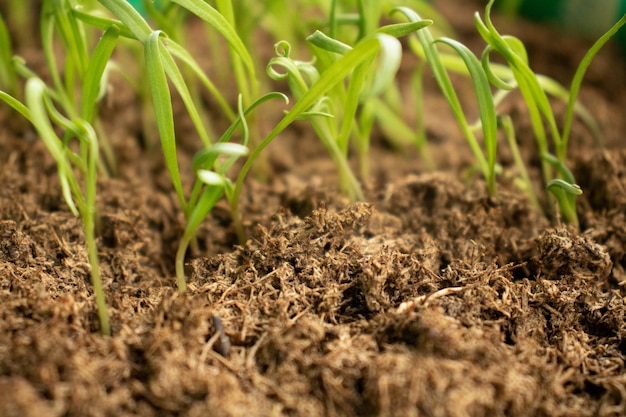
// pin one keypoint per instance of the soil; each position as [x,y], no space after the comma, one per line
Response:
[429,299]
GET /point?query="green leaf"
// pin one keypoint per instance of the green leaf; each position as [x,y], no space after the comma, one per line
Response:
[130,18]
[388,63]
[163,110]
[95,70]
[16,105]
[573,189]
[8,77]
[179,83]
[220,23]
[433,58]
[560,166]
[210,177]
[180,53]
[35,91]
[577,81]
[486,107]
[325,42]
[399,30]
[205,159]
[333,75]
[102,22]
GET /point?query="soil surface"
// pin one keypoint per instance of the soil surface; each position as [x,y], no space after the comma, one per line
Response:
[429,299]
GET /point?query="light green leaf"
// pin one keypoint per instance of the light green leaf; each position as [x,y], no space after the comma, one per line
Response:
[163,110]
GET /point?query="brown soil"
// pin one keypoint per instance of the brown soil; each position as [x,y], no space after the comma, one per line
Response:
[431,299]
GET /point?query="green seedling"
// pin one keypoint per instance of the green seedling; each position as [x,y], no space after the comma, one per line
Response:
[162,71]
[161,66]
[172,19]
[69,105]
[83,75]
[346,90]
[40,110]
[486,159]
[515,74]
[455,64]
[160,51]
[344,112]
[212,182]
[309,99]
[558,178]
[386,109]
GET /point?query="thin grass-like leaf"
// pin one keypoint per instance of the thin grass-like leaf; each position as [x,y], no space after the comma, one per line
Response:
[16,105]
[163,109]
[103,22]
[577,81]
[433,59]
[399,30]
[47,26]
[388,64]
[572,189]
[95,70]
[538,104]
[207,157]
[214,185]
[216,20]
[181,53]
[129,17]
[248,87]
[178,81]
[565,194]
[8,77]
[486,107]
[560,166]
[351,104]
[78,201]
[35,90]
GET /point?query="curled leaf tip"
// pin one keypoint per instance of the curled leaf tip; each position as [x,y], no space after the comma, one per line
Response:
[559,184]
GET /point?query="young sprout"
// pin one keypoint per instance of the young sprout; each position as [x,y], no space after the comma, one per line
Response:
[564,189]
[516,74]
[69,106]
[299,76]
[212,183]
[161,55]
[161,66]
[559,180]
[384,108]
[309,100]
[39,109]
[57,19]
[342,111]
[486,159]
[211,166]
